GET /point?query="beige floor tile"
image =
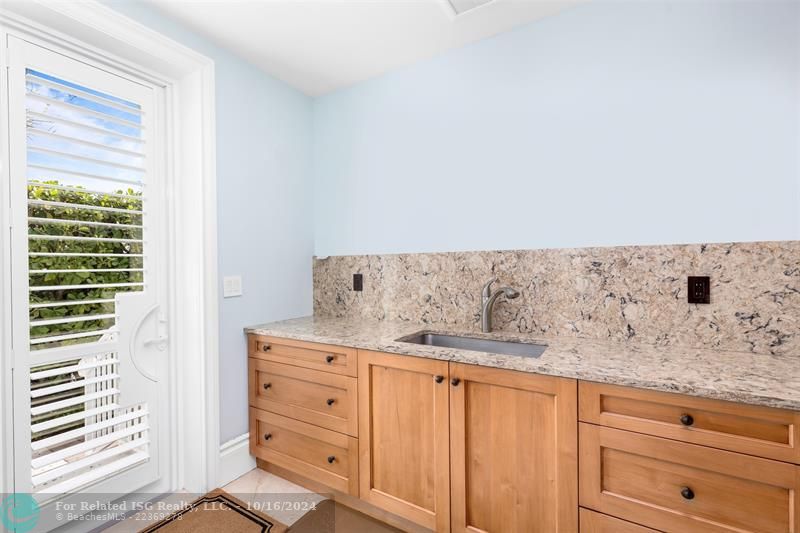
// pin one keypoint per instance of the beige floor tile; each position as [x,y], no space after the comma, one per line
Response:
[274,496]
[268,493]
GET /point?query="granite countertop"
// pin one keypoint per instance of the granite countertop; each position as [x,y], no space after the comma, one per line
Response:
[757,379]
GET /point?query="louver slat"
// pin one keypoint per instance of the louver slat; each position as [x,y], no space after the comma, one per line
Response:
[69,419]
[85,95]
[79,302]
[93,160]
[35,376]
[102,472]
[70,221]
[55,406]
[88,461]
[87,144]
[47,391]
[65,172]
[87,446]
[71,336]
[84,110]
[67,122]
[67,436]
[46,203]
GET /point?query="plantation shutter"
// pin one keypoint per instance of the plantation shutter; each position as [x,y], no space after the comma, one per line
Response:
[85,209]
[86,275]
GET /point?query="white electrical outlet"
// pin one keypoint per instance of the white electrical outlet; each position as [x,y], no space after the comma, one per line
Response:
[231,286]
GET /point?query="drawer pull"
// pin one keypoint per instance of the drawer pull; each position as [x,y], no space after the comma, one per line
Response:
[455,382]
[687,420]
[438,379]
[331,459]
[265,347]
[329,359]
[687,493]
[268,436]
[267,386]
[330,401]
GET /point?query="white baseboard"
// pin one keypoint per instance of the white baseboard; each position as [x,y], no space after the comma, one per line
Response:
[235,459]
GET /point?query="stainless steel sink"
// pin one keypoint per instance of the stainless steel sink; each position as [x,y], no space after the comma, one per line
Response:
[523,349]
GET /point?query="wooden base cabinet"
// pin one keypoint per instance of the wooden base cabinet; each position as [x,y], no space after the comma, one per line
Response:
[513,451]
[470,449]
[464,448]
[404,437]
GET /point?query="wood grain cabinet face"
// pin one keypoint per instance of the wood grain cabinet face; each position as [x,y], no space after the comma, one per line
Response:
[592,522]
[759,431]
[677,487]
[404,437]
[316,453]
[322,357]
[320,398]
[513,452]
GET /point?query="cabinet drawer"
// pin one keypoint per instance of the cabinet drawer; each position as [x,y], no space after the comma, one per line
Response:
[676,487]
[320,398]
[759,431]
[592,522]
[319,454]
[324,357]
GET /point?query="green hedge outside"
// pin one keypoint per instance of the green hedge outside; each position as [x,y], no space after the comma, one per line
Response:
[121,225]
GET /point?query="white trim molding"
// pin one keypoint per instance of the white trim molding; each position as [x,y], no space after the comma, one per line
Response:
[110,40]
[235,459]
[6,353]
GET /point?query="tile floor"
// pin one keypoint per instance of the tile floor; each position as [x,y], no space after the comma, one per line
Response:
[275,496]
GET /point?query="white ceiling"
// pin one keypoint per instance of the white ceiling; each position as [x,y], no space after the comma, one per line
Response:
[319,46]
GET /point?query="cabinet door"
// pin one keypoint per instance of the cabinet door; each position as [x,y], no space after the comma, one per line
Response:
[514,446]
[404,437]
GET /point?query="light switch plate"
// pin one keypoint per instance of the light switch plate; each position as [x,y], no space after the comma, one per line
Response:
[231,286]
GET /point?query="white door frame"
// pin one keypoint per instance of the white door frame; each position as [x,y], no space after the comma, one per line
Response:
[110,40]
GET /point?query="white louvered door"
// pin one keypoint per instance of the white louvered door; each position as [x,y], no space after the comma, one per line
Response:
[88,294]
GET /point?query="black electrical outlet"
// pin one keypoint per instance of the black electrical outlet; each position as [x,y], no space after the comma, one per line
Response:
[699,290]
[358,282]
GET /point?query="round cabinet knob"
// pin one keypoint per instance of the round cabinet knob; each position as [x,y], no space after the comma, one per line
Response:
[329,359]
[267,386]
[265,347]
[455,382]
[331,459]
[438,379]
[687,493]
[687,420]
[330,401]
[267,436]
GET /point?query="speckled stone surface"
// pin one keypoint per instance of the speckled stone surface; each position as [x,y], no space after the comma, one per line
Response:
[758,379]
[625,294]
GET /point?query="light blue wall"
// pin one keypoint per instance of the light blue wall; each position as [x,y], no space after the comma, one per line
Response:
[264,188]
[612,123]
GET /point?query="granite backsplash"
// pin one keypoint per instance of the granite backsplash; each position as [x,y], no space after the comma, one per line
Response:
[627,293]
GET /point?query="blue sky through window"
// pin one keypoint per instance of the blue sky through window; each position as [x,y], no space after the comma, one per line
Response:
[79,130]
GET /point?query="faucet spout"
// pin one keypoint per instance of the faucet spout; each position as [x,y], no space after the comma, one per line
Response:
[487,289]
[488,299]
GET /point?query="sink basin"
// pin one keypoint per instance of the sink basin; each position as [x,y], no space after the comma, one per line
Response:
[523,349]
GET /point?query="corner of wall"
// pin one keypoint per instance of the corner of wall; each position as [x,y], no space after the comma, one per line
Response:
[234,459]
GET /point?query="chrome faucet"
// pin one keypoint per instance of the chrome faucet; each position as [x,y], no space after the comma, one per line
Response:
[487,302]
